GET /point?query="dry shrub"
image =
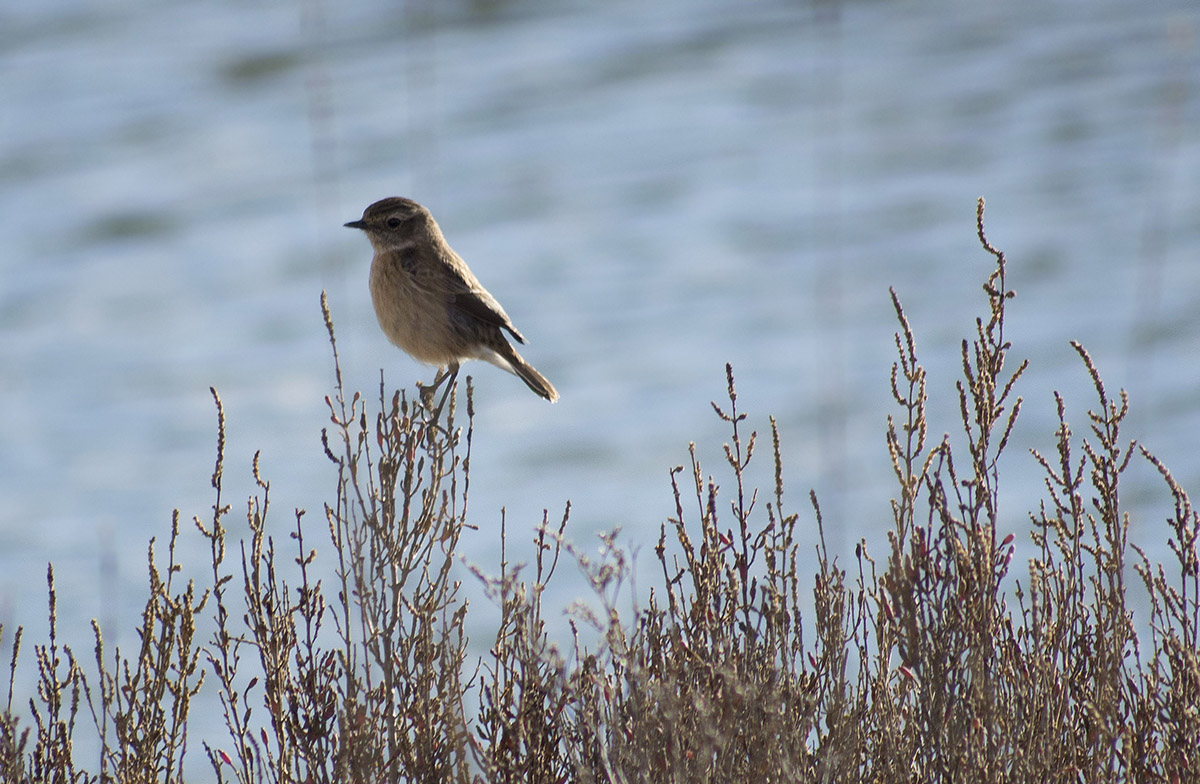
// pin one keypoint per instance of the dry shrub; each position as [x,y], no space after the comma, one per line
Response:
[344,660]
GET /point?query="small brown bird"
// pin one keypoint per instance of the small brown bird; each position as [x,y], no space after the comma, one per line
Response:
[427,300]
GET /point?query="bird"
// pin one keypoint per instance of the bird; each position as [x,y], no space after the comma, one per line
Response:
[429,303]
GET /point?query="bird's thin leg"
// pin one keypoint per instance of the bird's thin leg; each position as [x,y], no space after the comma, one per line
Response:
[450,377]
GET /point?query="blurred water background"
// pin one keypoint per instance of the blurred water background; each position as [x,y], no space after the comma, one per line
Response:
[651,190]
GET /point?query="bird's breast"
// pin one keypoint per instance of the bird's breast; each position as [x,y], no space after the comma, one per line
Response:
[414,318]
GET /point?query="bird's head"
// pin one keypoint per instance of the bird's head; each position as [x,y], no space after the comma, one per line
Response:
[394,221]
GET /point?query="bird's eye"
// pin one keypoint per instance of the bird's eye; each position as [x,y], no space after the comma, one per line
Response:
[393,222]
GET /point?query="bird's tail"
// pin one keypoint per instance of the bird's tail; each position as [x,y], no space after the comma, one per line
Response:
[527,373]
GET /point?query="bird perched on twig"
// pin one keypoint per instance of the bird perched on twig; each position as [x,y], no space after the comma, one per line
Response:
[429,303]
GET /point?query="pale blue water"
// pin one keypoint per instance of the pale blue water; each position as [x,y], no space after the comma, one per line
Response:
[650,189]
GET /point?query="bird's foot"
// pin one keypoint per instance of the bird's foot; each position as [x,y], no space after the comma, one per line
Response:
[445,376]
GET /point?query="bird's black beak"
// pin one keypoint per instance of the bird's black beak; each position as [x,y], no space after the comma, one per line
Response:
[355,225]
